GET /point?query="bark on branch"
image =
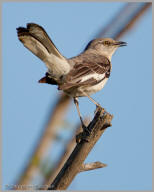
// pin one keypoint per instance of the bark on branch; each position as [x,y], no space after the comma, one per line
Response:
[74,164]
[92,166]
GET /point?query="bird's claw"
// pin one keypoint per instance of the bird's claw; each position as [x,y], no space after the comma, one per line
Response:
[81,136]
[98,106]
[86,130]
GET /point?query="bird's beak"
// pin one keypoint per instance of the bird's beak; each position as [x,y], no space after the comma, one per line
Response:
[120,43]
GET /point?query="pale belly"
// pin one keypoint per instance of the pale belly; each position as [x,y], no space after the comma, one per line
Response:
[79,92]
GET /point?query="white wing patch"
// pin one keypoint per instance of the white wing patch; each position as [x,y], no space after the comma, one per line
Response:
[94,75]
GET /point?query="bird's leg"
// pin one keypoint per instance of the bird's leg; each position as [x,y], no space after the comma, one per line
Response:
[97,104]
[82,135]
[77,106]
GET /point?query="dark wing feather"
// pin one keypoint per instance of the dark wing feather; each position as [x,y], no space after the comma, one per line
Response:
[90,65]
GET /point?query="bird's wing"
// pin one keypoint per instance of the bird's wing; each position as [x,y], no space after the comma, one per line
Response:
[90,71]
[38,42]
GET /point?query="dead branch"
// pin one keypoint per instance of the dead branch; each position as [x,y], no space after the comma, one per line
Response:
[92,166]
[124,20]
[45,141]
[66,153]
[74,164]
[133,21]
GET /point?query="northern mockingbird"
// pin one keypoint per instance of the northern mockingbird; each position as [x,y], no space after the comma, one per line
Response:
[79,76]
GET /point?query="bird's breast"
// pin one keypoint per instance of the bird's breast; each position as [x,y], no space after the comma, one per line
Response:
[95,88]
[80,91]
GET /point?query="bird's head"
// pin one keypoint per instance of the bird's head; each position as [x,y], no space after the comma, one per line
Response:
[105,46]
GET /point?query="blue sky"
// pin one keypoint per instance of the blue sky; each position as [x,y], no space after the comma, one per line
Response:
[127,146]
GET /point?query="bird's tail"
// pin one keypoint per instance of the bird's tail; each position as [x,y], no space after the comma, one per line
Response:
[34,33]
[38,42]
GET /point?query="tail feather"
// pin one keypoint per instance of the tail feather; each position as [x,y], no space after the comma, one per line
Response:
[38,42]
[48,79]
[38,33]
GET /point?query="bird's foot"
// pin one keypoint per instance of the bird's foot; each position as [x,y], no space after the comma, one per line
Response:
[83,135]
[98,107]
[85,129]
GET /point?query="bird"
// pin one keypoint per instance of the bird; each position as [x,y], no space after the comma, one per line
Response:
[79,76]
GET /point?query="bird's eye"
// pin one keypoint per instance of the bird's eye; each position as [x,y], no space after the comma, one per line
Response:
[106,43]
